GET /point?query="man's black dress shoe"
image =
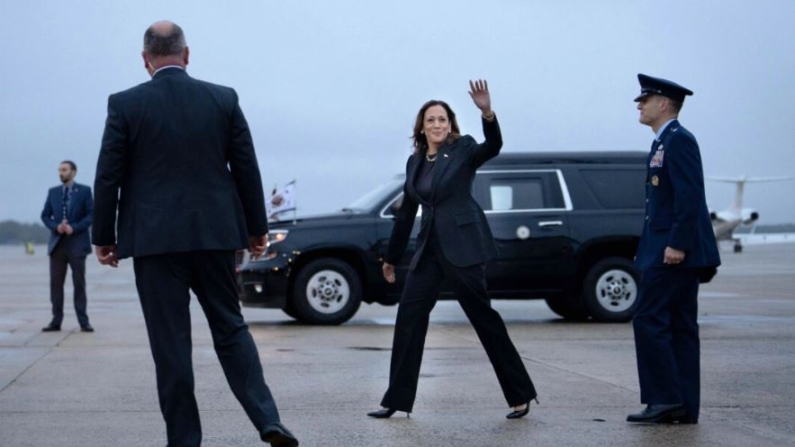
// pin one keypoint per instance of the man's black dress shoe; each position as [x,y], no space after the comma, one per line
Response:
[278,436]
[51,328]
[659,413]
[382,414]
[87,328]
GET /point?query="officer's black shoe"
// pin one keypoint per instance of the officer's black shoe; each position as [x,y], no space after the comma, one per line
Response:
[87,328]
[51,328]
[659,413]
[686,419]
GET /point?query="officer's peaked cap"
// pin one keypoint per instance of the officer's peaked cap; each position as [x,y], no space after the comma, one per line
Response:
[657,86]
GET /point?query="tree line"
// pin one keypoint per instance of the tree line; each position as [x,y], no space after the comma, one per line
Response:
[12,232]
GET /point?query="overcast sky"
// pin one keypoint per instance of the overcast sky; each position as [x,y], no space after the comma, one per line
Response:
[331,88]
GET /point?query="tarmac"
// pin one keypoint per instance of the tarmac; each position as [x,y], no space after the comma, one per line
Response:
[98,389]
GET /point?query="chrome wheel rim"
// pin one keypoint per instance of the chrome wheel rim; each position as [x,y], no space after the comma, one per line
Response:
[328,291]
[616,290]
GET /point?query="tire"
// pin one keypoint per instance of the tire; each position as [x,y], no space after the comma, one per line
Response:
[290,311]
[570,308]
[610,290]
[327,291]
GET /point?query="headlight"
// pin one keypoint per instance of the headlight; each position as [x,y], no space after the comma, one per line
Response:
[276,236]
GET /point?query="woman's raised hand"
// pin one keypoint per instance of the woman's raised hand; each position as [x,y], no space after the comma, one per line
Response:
[479,92]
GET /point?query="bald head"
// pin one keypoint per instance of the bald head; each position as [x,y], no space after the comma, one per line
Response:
[164,44]
[164,39]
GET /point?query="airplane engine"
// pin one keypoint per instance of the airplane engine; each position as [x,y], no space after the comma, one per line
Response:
[749,216]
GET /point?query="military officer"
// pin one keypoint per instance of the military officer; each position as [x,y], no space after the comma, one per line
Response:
[677,251]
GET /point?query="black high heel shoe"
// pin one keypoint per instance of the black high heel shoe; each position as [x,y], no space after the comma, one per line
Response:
[384,413]
[517,414]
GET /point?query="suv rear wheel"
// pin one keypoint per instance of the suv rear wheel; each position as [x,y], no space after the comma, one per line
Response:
[326,291]
[610,290]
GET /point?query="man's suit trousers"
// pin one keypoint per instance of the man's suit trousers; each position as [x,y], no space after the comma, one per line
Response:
[62,257]
[164,282]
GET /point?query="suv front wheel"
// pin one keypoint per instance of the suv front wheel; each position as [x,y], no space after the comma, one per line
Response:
[610,290]
[326,291]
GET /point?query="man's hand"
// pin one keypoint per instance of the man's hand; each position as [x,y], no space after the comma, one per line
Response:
[257,245]
[389,272]
[68,229]
[61,227]
[673,256]
[107,255]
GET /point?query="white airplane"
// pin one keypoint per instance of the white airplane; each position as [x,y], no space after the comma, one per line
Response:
[725,222]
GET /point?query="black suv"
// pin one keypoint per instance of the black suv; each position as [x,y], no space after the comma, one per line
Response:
[566,225]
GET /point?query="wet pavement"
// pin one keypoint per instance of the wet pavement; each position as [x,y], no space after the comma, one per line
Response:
[97,389]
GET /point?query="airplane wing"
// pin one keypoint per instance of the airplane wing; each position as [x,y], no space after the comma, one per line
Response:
[750,179]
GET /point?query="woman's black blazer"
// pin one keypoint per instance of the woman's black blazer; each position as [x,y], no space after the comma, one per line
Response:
[459,222]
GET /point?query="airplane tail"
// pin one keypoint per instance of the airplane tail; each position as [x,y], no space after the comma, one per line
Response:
[724,222]
[741,181]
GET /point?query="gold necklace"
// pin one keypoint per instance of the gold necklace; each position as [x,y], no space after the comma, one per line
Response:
[431,158]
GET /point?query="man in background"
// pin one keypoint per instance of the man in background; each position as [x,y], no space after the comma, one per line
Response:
[67,213]
[178,163]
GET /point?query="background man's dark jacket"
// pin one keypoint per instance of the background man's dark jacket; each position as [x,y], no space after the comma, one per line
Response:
[79,214]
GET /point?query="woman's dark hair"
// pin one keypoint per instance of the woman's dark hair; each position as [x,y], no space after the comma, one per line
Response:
[420,141]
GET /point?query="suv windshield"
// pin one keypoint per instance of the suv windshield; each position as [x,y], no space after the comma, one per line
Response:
[376,196]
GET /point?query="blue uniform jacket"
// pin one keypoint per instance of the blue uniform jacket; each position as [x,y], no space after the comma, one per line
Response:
[676,207]
[79,214]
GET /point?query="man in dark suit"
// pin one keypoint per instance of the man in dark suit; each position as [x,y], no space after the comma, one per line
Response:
[68,213]
[178,163]
[677,250]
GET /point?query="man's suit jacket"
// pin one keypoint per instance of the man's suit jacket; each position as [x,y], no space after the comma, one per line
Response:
[178,162]
[79,214]
[460,224]
[676,206]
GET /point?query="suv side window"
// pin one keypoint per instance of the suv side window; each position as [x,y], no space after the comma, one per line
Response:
[519,191]
[617,188]
[516,194]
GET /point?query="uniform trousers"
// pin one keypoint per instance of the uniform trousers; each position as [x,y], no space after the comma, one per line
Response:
[61,258]
[163,283]
[418,299]
[666,337]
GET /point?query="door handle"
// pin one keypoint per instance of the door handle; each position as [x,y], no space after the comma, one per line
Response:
[550,223]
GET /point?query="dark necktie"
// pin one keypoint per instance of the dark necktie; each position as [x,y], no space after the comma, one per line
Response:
[65,202]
